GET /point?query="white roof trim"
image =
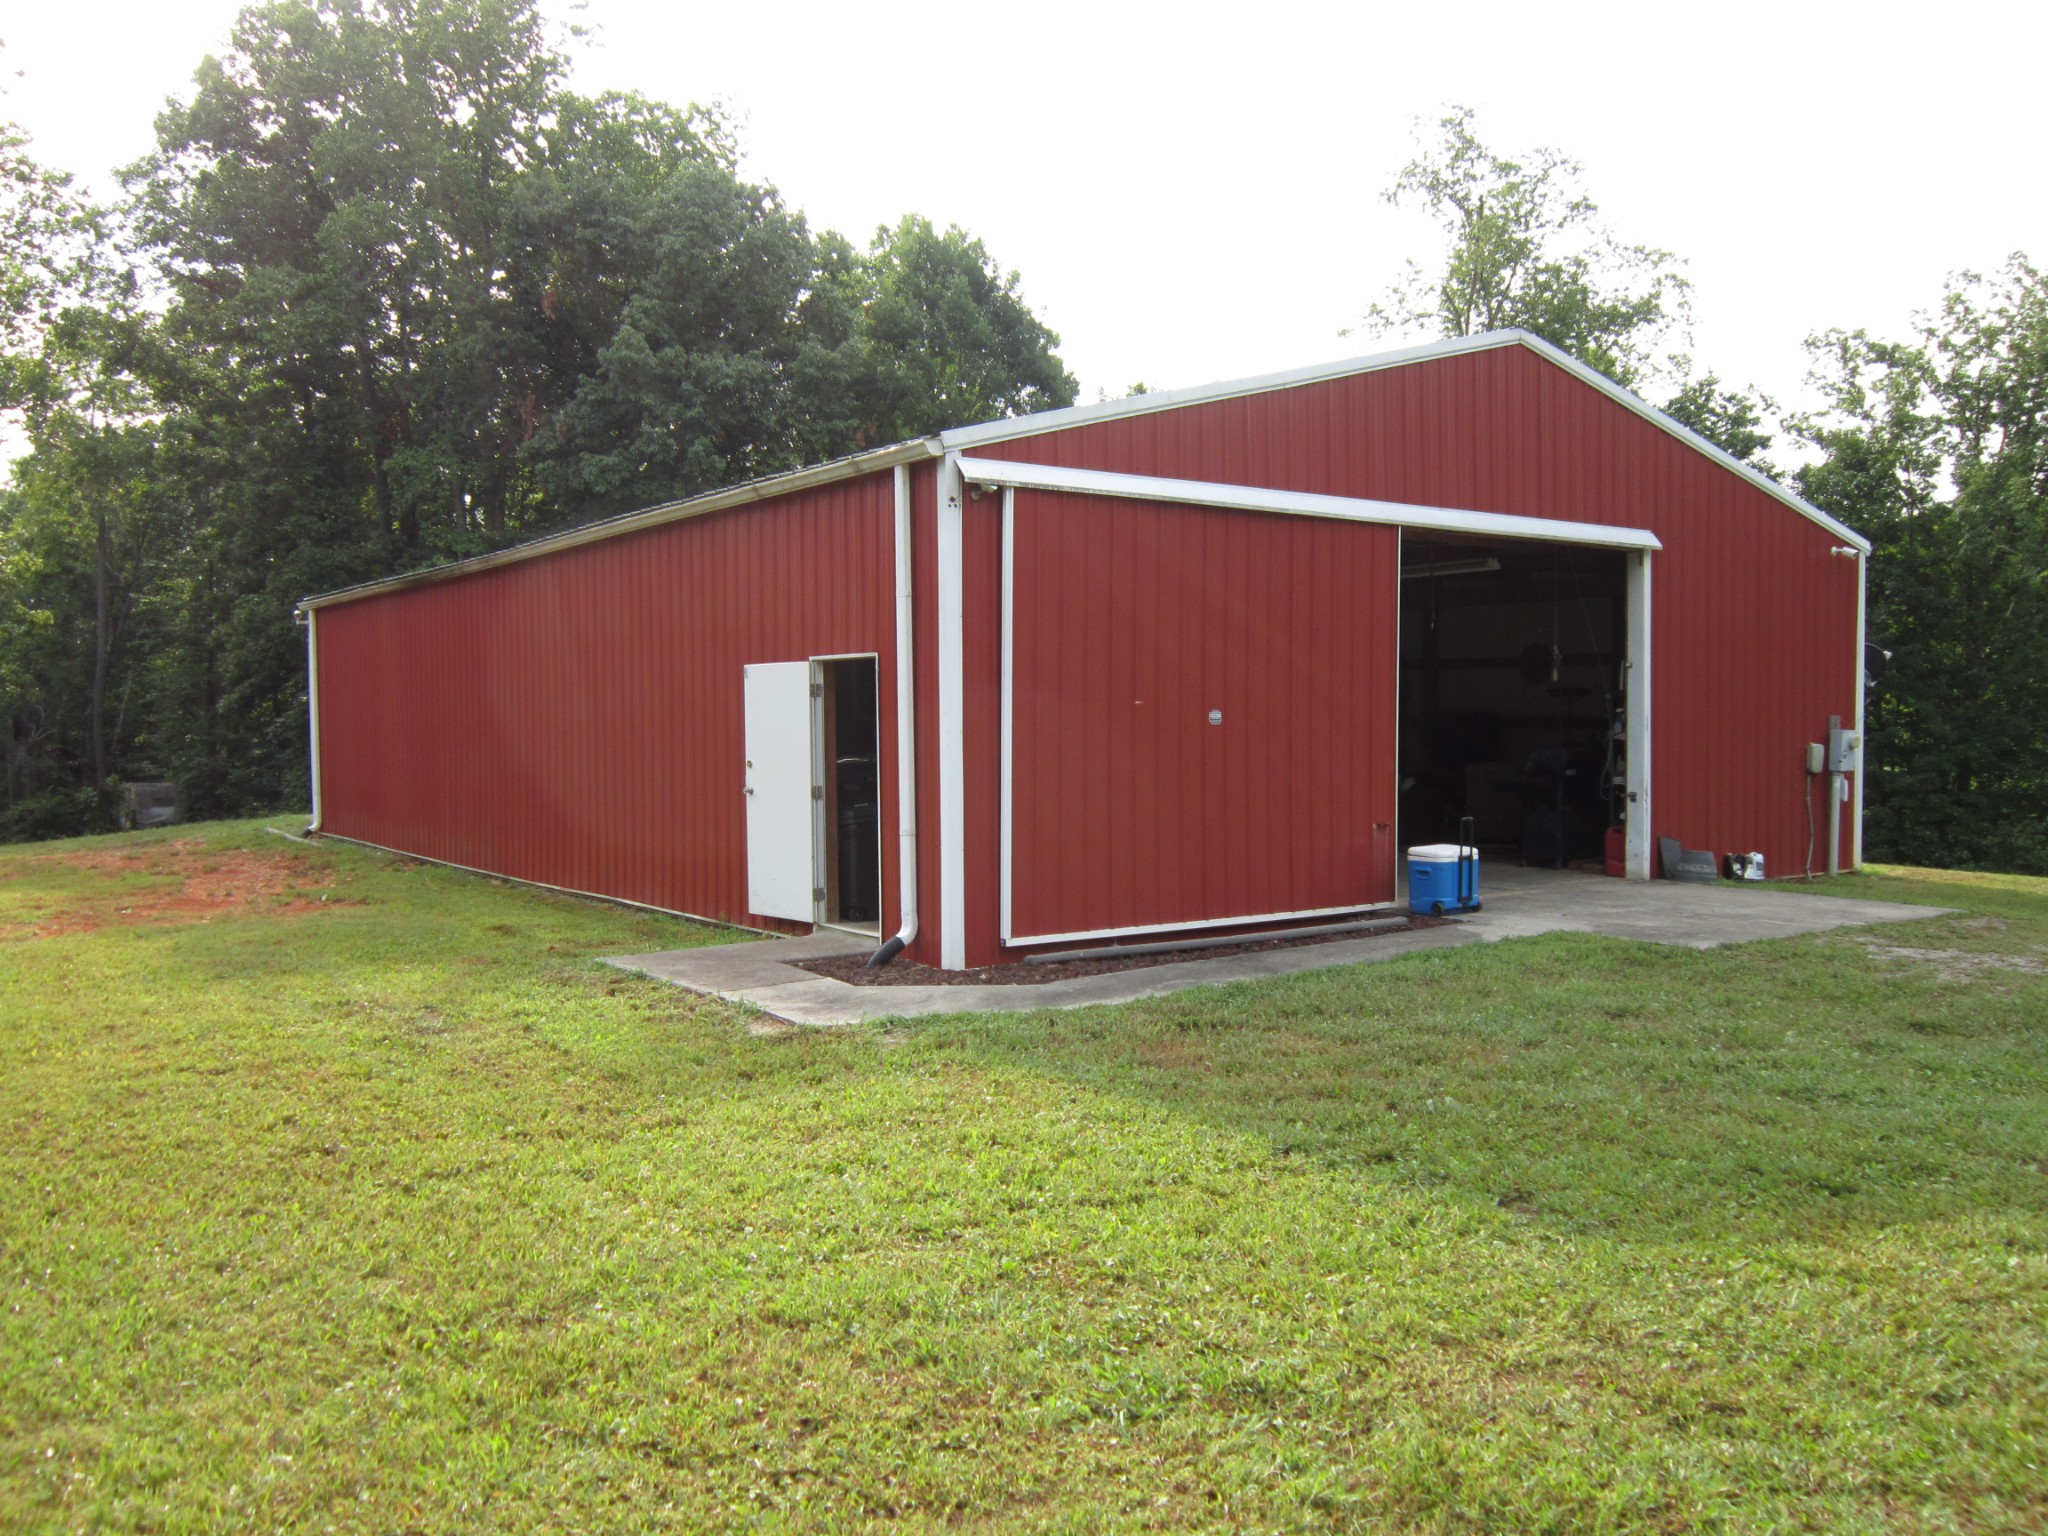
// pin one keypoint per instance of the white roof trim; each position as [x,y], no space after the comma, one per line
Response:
[1012,428]
[652,517]
[1251,498]
[963,438]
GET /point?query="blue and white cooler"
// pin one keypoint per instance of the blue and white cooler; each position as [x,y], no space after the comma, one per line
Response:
[1443,877]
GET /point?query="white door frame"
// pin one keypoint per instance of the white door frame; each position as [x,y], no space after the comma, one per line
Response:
[1636,721]
[1635,711]
[820,898]
[814,907]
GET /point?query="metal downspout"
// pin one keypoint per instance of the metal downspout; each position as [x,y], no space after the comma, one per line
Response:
[906,736]
[312,620]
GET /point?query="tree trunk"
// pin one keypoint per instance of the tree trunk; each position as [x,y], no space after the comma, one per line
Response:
[95,732]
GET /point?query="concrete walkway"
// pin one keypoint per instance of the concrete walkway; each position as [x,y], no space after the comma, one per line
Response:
[1518,903]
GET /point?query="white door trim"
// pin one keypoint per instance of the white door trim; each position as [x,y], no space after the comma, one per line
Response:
[952,719]
[1006,927]
[1639,843]
[1252,498]
[1007,881]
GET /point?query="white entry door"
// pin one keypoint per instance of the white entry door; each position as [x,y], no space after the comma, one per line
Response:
[779,777]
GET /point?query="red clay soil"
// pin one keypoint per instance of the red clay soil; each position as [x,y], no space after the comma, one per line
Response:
[908,973]
[206,885]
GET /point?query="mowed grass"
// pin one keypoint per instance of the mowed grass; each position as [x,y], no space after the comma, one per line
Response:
[339,1192]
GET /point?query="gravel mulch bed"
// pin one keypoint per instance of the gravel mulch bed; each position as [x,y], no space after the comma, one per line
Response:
[908,973]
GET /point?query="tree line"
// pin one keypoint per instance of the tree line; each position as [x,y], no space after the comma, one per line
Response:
[387,293]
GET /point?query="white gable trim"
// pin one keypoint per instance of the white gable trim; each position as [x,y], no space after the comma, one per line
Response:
[964,438]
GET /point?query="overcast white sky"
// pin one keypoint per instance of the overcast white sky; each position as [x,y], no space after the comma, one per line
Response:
[1192,192]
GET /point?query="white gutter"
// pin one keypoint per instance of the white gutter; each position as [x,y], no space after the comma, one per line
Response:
[651,517]
[313,709]
[1252,498]
[906,735]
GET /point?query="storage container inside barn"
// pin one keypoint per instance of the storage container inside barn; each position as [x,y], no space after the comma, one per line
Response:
[1194,662]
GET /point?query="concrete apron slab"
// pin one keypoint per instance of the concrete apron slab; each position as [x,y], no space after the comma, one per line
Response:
[1518,903]
[1522,902]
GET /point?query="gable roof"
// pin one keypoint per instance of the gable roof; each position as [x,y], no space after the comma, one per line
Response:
[962,439]
[1010,429]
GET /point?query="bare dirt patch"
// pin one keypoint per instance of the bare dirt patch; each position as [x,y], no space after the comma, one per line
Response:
[908,973]
[187,883]
[1955,964]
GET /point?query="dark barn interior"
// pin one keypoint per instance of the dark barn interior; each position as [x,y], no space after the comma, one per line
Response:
[853,795]
[1512,696]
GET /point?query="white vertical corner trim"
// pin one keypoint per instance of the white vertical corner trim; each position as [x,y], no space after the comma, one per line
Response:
[313,709]
[1400,655]
[952,718]
[1862,723]
[1636,723]
[1009,690]
[906,720]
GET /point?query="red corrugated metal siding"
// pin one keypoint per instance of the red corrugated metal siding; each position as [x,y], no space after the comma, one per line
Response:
[1754,621]
[578,720]
[1133,621]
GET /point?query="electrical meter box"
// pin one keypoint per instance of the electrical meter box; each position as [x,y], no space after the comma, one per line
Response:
[1845,751]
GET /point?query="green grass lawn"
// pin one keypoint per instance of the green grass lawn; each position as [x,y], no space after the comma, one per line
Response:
[345,1193]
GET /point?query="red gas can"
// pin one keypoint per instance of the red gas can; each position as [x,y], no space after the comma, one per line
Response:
[1617,845]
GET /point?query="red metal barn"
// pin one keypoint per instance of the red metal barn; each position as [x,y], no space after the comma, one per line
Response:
[1191,660]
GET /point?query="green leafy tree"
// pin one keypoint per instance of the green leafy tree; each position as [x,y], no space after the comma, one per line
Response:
[694,386]
[385,294]
[1937,448]
[81,526]
[1732,420]
[348,358]
[47,235]
[1525,249]
[749,346]
[951,337]
[331,211]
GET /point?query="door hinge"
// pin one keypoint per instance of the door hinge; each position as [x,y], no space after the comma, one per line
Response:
[817,791]
[817,893]
[817,690]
